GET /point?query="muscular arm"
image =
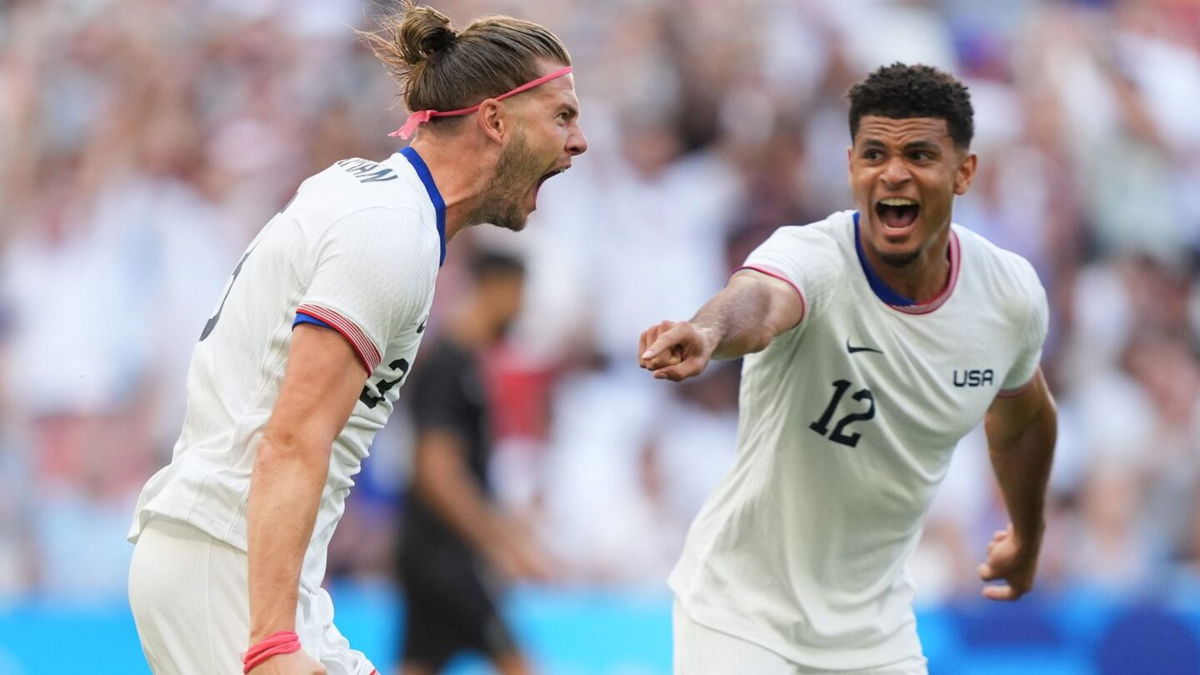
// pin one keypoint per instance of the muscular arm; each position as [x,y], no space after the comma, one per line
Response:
[1021,432]
[743,318]
[320,386]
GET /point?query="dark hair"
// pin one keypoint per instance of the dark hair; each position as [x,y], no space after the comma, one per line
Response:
[440,68]
[491,265]
[900,91]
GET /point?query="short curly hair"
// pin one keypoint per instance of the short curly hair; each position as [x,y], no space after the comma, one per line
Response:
[901,91]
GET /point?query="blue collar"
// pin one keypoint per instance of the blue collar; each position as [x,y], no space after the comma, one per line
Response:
[882,290]
[439,204]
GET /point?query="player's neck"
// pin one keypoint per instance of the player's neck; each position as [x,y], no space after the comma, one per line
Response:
[922,280]
[461,183]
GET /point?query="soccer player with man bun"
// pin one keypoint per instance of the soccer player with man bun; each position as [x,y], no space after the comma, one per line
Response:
[874,341]
[299,365]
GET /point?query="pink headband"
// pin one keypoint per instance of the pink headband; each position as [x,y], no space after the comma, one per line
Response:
[422,116]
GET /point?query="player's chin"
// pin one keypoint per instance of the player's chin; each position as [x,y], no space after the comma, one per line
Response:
[512,224]
[900,257]
[514,221]
[511,214]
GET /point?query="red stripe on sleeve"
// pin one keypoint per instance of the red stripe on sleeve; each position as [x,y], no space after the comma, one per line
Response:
[366,350]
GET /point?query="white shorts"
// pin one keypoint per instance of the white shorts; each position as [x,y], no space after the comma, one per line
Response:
[189,595]
[700,650]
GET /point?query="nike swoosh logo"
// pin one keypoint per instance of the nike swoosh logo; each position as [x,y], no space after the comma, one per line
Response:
[854,350]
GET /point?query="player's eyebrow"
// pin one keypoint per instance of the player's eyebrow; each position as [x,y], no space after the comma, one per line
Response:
[922,144]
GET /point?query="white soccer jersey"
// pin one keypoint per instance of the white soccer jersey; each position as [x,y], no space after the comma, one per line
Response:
[847,425]
[357,249]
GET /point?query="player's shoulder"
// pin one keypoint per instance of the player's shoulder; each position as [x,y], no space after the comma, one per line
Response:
[994,260]
[1008,276]
[378,195]
[813,256]
[356,184]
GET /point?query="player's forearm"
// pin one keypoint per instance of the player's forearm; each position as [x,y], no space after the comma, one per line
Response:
[285,493]
[735,321]
[1022,461]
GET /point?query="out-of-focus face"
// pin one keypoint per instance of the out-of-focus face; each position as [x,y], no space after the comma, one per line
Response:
[904,174]
[547,136]
[503,296]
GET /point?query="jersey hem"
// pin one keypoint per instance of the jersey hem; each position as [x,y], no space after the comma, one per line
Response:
[209,526]
[786,651]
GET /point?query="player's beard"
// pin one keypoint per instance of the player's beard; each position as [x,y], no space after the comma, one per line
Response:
[900,260]
[504,201]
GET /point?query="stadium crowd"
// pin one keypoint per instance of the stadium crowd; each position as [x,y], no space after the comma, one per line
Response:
[144,142]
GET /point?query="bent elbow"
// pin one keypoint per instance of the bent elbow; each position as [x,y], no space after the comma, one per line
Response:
[757,340]
[284,446]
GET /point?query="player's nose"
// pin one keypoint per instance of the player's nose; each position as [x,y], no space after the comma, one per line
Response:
[577,143]
[895,172]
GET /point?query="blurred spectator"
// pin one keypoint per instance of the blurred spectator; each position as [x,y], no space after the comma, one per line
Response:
[455,539]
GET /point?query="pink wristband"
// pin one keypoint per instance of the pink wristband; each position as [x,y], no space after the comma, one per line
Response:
[283,642]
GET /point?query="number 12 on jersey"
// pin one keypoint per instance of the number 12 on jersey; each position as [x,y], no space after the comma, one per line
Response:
[838,435]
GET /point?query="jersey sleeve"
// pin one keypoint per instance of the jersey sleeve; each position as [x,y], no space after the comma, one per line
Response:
[372,273]
[803,256]
[1033,337]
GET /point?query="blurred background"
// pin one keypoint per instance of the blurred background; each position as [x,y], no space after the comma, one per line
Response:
[144,142]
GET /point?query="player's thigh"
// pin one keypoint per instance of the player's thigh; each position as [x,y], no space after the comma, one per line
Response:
[700,650]
[187,592]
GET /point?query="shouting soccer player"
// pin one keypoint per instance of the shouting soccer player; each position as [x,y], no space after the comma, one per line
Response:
[875,340]
[300,363]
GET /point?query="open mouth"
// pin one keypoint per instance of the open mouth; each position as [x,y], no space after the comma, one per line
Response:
[897,213]
[551,174]
[545,177]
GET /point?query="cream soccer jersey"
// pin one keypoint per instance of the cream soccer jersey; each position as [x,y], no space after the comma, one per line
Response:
[357,250]
[846,428]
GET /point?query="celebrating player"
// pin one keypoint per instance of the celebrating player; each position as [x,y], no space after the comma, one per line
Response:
[300,363]
[875,340]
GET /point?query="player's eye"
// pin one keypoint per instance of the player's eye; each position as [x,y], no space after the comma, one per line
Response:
[872,154]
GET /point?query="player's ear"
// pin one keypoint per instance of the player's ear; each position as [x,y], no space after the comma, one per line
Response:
[850,165]
[965,173]
[492,120]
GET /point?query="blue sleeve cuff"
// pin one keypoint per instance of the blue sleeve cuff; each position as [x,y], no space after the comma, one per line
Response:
[304,318]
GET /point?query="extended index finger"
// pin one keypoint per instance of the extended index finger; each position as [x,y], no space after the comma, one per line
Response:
[647,336]
[651,335]
[661,345]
